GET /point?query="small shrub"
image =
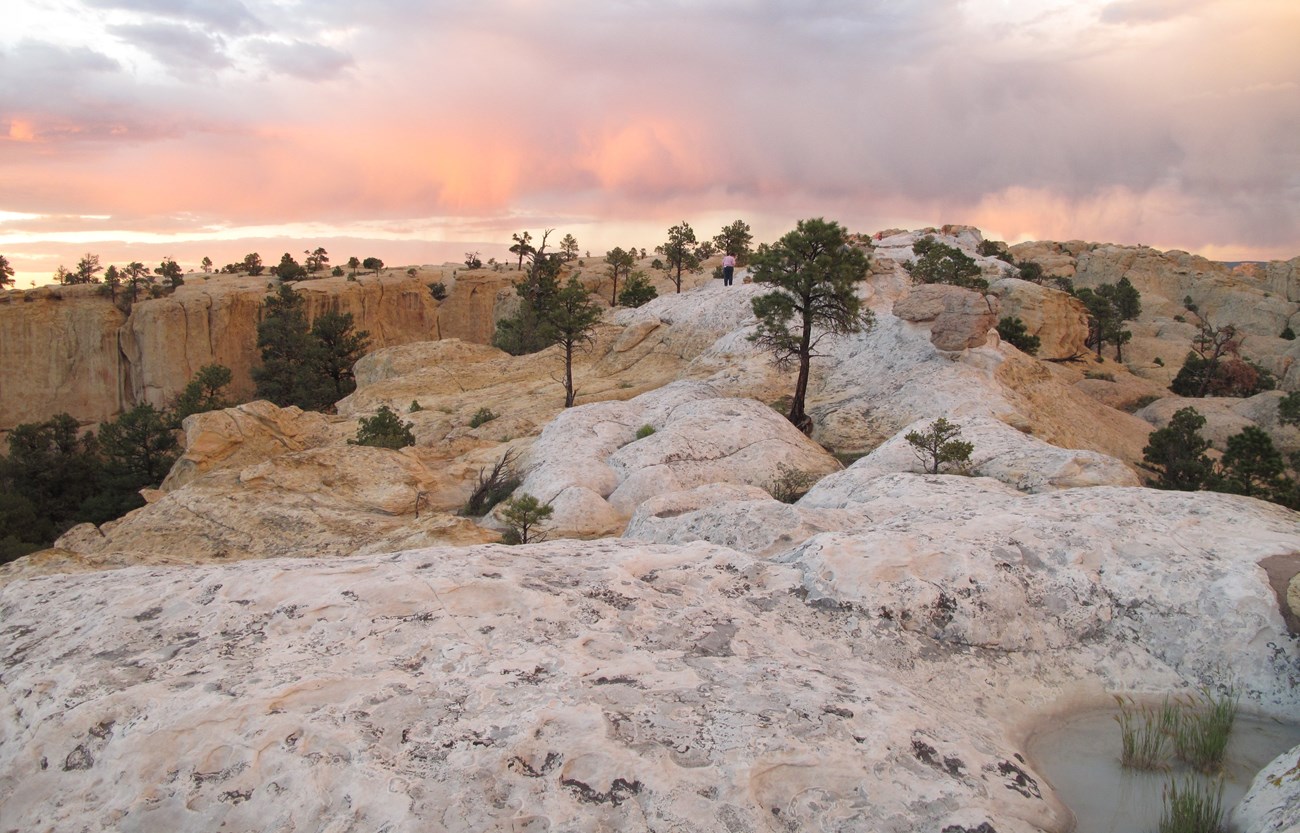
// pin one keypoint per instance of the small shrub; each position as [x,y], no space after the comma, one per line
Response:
[644,431]
[1288,334]
[1192,806]
[415,406]
[384,430]
[1100,375]
[1014,332]
[439,290]
[337,272]
[790,483]
[1158,362]
[352,279]
[493,486]
[940,443]
[481,417]
[1139,403]
[1180,319]
[523,517]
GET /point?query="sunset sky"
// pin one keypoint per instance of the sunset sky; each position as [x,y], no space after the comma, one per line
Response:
[416,130]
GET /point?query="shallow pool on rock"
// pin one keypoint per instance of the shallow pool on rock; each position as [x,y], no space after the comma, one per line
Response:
[1080,756]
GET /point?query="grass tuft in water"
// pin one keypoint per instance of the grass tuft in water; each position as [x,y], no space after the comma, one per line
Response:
[1203,727]
[1192,805]
[1145,732]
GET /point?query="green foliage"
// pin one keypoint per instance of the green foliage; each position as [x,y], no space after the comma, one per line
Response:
[384,430]
[618,263]
[1014,332]
[1287,333]
[1202,727]
[6,274]
[528,330]
[481,417]
[644,431]
[1251,465]
[46,481]
[940,444]
[203,393]
[1145,733]
[637,291]
[317,259]
[1177,453]
[1030,271]
[139,448]
[523,516]
[307,367]
[1227,375]
[681,253]
[572,317]
[1192,806]
[438,290]
[1288,409]
[170,271]
[1105,318]
[253,264]
[289,269]
[415,406]
[789,484]
[372,263]
[493,486]
[337,271]
[813,273]
[569,247]
[335,348]
[523,247]
[940,263]
[735,239]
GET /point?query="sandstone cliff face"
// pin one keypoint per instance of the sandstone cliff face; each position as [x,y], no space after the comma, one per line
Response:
[59,352]
[69,349]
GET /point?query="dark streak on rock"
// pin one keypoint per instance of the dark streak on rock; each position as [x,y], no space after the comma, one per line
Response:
[619,791]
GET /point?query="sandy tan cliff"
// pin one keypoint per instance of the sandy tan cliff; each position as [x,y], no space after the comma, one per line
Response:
[69,349]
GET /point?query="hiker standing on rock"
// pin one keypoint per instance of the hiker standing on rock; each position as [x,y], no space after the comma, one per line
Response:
[728,268]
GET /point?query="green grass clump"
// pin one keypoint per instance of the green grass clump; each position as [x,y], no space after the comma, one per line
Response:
[644,431]
[1204,725]
[1145,733]
[481,417]
[1192,806]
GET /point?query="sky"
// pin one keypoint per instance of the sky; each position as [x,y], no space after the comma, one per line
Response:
[417,130]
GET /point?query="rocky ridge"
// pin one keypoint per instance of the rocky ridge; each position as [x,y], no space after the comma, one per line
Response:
[872,656]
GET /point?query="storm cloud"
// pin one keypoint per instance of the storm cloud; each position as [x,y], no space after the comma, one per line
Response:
[1166,123]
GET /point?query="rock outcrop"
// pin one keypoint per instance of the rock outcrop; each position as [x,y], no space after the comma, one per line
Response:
[633,685]
[1057,319]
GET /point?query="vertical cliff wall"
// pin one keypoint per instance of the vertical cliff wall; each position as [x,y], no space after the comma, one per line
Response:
[70,349]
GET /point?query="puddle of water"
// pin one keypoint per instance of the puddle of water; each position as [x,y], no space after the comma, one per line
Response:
[1080,757]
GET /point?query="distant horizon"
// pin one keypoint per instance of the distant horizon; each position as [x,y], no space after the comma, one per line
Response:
[170,127]
[394,253]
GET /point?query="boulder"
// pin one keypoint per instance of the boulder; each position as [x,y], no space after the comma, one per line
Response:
[961,318]
[244,435]
[1058,319]
[1003,453]
[1272,804]
[698,439]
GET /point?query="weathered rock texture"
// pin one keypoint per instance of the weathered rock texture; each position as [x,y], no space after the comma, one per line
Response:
[1273,803]
[70,349]
[1057,319]
[883,677]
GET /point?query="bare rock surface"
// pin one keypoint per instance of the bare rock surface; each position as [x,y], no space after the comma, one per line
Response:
[594,470]
[959,318]
[630,685]
[250,433]
[1003,453]
[1057,319]
[1272,805]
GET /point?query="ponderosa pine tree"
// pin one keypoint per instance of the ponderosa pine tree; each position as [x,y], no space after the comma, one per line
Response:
[681,253]
[814,273]
[572,317]
[1177,453]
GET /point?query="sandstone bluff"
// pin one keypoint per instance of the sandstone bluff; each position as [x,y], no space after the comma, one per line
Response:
[299,634]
